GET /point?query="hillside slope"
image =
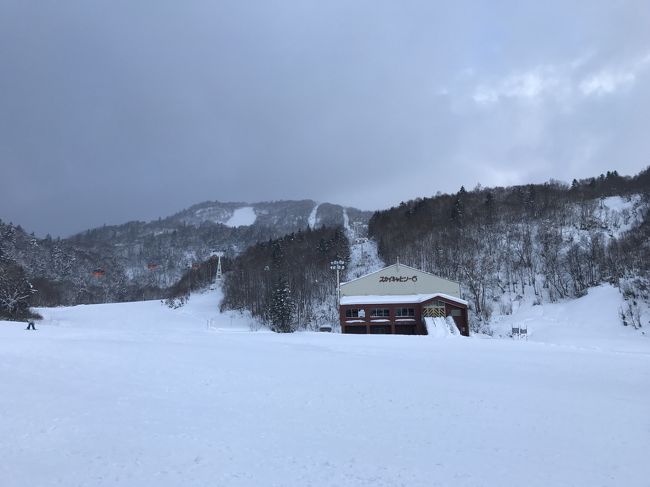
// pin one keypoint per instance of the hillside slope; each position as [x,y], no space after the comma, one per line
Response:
[543,242]
[591,321]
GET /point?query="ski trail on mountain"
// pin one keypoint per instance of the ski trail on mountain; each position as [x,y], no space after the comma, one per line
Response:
[311,221]
[364,256]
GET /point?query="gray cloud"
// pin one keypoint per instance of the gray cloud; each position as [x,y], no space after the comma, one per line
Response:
[111,111]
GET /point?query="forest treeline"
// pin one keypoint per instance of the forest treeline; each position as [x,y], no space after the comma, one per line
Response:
[287,283]
[64,275]
[553,240]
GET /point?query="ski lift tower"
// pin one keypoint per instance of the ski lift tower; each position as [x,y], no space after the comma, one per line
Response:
[219,255]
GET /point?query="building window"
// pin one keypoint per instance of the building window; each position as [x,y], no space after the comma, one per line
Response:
[380,312]
[354,313]
[456,312]
[405,312]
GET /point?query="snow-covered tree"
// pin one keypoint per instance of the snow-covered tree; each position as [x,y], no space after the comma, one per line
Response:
[15,290]
[282,307]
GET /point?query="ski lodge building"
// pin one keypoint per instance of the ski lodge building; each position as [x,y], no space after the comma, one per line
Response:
[398,299]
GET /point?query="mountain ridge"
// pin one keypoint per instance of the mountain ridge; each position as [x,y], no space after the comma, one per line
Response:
[139,259]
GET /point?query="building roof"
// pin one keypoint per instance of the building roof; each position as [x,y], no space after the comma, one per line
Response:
[396,266]
[400,280]
[398,299]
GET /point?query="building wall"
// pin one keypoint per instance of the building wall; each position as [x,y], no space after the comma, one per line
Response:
[391,325]
[399,280]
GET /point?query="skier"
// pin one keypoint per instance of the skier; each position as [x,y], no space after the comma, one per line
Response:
[30,325]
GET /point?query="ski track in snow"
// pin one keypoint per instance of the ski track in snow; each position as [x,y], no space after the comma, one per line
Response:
[137,394]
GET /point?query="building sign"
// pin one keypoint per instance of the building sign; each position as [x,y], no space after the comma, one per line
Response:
[398,279]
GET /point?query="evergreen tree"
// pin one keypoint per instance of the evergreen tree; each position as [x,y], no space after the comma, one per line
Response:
[531,200]
[458,208]
[282,307]
[489,206]
[277,256]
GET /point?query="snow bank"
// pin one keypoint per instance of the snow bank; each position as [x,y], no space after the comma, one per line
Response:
[441,327]
[242,217]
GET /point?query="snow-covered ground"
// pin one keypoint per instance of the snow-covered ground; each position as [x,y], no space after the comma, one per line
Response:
[242,217]
[618,215]
[138,394]
[590,321]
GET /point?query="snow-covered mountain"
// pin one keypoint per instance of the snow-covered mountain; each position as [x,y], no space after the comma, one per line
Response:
[283,216]
[139,259]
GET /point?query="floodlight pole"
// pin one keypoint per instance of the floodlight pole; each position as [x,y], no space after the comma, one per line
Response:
[338,266]
[338,287]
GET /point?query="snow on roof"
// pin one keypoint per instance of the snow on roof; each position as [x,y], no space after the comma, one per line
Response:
[397,299]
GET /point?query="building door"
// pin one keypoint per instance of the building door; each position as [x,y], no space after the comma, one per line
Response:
[434,310]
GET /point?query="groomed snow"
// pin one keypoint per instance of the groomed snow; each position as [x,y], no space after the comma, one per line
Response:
[140,395]
[242,217]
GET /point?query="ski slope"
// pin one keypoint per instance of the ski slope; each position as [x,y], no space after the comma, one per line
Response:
[137,394]
[242,217]
[311,220]
[590,321]
[364,255]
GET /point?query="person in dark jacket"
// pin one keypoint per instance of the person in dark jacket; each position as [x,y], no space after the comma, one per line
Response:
[30,325]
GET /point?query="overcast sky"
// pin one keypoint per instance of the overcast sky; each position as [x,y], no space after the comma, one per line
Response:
[124,109]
